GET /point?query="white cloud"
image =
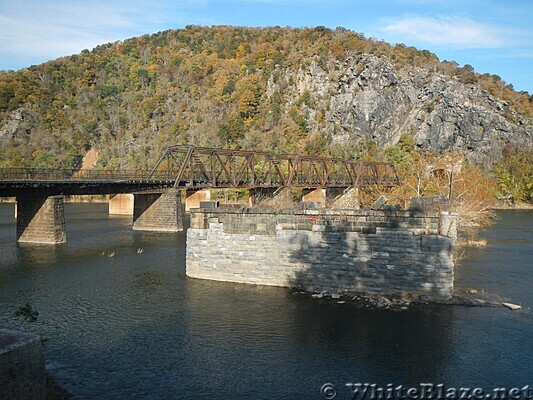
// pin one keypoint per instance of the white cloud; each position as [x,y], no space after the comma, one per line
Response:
[57,28]
[451,32]
[38,30]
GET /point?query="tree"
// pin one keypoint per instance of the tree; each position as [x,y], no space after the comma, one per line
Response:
[469,191]
[515,175]
[27,313]
[247,104]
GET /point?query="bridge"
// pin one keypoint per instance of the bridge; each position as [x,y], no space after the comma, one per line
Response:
[157,193]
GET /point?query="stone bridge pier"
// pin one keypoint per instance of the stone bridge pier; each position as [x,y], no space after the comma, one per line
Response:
[41,219]
[403,254]
[159,212]
[123,204]
[269,197]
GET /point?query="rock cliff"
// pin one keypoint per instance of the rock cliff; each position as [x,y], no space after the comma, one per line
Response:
[372,99]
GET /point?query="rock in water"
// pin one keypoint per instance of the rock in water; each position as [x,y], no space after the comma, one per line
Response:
[512,306]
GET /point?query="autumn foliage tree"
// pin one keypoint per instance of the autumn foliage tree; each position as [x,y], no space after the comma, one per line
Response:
[467,187]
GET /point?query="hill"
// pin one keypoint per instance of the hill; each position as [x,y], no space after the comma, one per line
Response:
[312,90]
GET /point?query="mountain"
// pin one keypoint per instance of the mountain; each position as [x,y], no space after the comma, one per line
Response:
[312,90]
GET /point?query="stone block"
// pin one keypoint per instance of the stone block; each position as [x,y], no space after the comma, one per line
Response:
[22,374]
[379,203]
[310,205]
[391,207]
[209,204]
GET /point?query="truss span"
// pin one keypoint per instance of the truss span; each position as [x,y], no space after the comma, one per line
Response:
[201,167]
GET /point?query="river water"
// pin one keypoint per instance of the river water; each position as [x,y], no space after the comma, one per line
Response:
[133,326]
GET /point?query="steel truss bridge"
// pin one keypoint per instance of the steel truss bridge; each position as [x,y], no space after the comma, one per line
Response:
[190,167]
[202,167]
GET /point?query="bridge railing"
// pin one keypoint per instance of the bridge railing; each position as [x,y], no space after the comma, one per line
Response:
[52,174]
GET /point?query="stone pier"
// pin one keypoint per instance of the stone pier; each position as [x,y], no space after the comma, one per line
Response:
[335,198]
[121,204]
[160,212]
[375,253]
[41,220]
[270,196]
[344,199]
[22,373]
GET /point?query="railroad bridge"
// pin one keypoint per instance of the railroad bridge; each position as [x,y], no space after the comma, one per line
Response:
[183,171]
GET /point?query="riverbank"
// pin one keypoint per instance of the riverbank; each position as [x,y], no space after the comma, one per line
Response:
[520,206]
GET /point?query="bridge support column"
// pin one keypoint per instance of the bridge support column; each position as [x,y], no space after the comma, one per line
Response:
[194,197]
[270,197]
[159,212]
[344,199]
[315,196]
[41,220]
[121,204]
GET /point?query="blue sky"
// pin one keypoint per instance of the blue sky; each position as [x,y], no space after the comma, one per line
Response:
[494,36]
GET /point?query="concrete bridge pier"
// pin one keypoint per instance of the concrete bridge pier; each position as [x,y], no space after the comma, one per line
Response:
[315,196]
[194,197]
[41,219]
[159,212]
[121,204]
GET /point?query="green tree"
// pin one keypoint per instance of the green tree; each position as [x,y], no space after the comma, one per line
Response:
[515,175]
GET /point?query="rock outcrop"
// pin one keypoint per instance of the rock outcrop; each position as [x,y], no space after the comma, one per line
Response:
[372,99]
[18,123]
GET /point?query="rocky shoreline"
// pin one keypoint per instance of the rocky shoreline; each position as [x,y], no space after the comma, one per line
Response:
[461,297]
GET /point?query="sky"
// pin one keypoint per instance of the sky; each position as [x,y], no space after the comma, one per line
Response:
[494,36]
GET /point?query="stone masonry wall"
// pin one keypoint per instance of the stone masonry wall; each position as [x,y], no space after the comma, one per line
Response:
[389,253]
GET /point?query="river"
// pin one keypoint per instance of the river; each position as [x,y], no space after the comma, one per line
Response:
[133,326]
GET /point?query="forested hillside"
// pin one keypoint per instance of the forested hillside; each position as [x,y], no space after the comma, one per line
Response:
[317,91]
